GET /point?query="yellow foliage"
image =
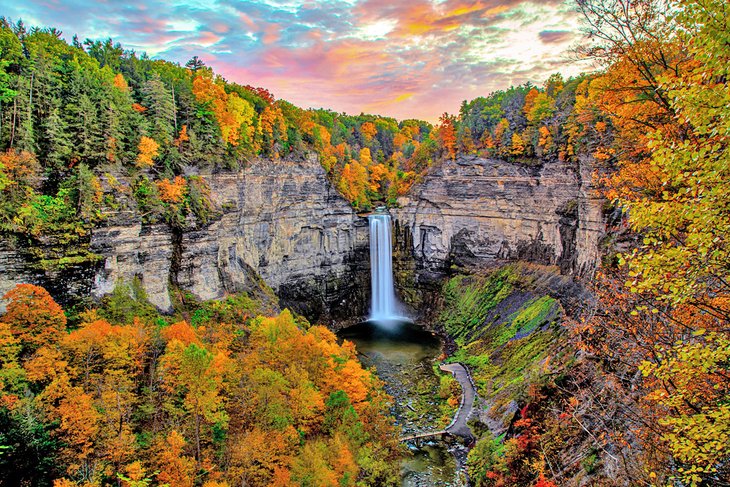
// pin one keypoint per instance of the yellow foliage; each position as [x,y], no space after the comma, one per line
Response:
[518,145]
[365,158]
[148,150]
[234,114]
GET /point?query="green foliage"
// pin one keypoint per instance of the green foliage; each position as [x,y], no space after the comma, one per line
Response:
[468,299]
[483,458]
[127,302]
[503,353]
[148,199]
[29,451]
[590,462]
[532,314]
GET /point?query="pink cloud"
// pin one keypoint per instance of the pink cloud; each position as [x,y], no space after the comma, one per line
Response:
[208,38]
[405,59]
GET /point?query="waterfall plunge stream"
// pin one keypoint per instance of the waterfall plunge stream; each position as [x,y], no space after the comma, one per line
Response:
[403,354]
[382,304]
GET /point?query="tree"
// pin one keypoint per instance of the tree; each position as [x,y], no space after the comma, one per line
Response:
[160,109]
[447,134]
[517,148]
[353,183]
[35,319]
[368,131]
[148,151]
[194,64]
[365,158]
[197,375]
[667,303]
[172,192]
[176,469]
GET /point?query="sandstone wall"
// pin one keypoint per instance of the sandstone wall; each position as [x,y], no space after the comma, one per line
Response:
[283,223]
[474,211]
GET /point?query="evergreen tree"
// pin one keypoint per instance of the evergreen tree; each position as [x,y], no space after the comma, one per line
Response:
[160,109]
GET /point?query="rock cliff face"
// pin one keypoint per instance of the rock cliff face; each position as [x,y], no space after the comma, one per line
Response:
[473,211]
[282,222]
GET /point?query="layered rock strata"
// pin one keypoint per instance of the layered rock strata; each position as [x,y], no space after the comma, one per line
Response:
[473,211]
[282,224]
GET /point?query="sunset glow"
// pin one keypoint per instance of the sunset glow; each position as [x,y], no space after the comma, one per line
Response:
[404,59]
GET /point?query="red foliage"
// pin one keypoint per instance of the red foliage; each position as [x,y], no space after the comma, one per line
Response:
[263,93]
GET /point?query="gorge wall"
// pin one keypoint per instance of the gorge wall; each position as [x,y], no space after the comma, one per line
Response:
[281,222]
[473,211]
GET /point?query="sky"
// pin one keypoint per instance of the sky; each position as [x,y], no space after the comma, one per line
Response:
[405,59]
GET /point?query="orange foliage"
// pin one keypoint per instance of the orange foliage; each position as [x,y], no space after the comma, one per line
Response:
[120,83]
[543,482]
[35,319]
[377,173]
[148,150]
[18,168]
[176,469]
[530,100]
[272,119]
[546,138]
[181,332]
[277,389]
[138,108]
[182,136]
[354,182]
[234,115]
[369,131]
[399,140]
[172,191]
[447,134]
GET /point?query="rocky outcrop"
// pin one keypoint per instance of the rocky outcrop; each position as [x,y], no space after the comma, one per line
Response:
[473,211]
[69,280]
[281,222]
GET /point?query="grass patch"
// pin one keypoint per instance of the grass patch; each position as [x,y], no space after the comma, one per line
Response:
[468,300]
[523,322]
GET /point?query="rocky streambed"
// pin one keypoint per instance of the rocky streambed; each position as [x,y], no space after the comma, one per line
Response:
[404,357]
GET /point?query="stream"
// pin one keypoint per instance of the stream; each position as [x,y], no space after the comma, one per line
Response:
[403,355]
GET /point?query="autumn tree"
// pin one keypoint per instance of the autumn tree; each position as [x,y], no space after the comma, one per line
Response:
[667,308]
[447,134]
[148,151]
[176,469]
[35,319]
[368,131]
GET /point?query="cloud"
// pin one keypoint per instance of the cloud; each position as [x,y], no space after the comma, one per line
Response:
[404,59]
[555,36]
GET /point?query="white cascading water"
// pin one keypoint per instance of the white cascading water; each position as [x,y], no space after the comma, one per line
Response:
[382,305]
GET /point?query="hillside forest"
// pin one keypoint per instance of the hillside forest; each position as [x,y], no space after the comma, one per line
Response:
[119,394]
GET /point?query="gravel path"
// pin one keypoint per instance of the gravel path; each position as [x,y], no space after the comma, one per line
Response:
[458,426]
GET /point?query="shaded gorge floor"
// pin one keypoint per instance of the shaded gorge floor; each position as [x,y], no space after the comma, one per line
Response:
[403,355]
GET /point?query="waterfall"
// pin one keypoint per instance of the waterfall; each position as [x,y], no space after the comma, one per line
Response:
[382,304]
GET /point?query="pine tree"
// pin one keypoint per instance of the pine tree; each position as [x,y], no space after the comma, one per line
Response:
[160,109]
[55,146]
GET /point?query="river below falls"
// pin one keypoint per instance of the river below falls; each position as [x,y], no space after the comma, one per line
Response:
[404,355]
